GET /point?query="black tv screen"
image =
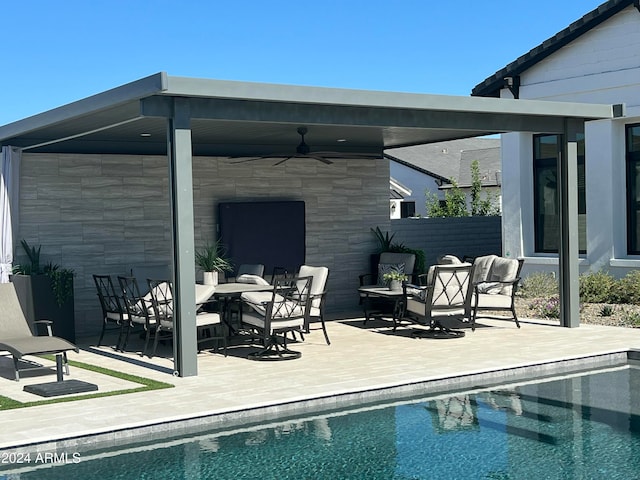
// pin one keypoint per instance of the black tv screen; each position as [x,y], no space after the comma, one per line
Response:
[271,233]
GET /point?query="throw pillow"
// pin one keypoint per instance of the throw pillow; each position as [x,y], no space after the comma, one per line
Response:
[388,268]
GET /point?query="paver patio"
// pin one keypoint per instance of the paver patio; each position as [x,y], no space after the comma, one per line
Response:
[359,359]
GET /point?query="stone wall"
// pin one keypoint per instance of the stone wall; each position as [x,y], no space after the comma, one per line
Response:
[107,213]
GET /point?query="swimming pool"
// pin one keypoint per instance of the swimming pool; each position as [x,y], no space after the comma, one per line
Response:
[580,426]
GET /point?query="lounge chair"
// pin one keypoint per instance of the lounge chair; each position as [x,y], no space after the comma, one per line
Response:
[17,338]
[494,281]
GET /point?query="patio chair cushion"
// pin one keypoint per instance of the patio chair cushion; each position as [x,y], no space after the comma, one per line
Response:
[250,278]
[482,267]
[281,307]
[449,260]
[505,270]
[204,293]
[388,268]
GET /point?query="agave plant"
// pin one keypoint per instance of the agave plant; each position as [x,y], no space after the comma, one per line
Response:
[212,258]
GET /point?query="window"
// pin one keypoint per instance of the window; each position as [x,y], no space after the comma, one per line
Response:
[546,207]
[633,189]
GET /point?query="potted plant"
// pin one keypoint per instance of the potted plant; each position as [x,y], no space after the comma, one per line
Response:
[395,279]
[211,259]
[45,291]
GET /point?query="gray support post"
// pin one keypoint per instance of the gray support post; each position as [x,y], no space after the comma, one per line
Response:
[185,345]
[568,241]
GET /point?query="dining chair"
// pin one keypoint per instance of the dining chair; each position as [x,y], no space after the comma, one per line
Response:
[318,294]
[139,311]
[287,310]
[114,315]
[209,325]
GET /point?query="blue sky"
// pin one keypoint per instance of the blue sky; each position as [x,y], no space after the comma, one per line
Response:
[57,52]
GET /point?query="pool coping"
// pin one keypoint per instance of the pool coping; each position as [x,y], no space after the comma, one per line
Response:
[322,404]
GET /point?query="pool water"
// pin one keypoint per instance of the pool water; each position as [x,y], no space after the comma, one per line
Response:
[577,427]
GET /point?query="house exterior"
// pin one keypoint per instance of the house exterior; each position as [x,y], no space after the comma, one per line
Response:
[399,206]
[432,167]
[594,60]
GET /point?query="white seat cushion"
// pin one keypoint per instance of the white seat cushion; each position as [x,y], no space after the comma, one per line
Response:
[207,318]
[276,324]
[486,300]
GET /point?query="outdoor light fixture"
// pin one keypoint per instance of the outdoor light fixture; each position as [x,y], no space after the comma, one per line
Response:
[513,84]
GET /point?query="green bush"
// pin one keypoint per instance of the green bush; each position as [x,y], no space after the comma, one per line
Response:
[627,289]
[597,287]
[539,284]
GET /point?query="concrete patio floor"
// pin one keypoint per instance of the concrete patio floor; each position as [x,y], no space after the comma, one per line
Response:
[361,361]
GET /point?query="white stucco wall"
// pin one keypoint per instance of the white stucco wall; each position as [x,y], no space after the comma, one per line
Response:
[601,66]
[417,183]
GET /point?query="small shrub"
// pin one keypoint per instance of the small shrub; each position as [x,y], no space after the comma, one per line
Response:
[627,289]
[597,287]
[539,284]
[606,311]
[631,318]
[547,307]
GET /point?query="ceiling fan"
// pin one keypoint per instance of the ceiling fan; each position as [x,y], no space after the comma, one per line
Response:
[304,151]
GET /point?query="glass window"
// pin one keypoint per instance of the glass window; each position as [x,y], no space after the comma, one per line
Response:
[546,201]
[633,189]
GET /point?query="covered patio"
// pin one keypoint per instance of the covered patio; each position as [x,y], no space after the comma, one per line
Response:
[184,119]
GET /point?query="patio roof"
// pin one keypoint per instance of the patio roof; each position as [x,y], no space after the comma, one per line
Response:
[238,118]
[182,117]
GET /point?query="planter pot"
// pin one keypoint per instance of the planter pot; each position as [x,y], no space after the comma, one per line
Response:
[38,302]
[210,278]
[395,285]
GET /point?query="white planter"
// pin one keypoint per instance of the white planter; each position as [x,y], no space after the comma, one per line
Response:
[395,285]
[210,278]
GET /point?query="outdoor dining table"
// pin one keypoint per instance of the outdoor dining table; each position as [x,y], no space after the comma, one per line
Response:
[227,293]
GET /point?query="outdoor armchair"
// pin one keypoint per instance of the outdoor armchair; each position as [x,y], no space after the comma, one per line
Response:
[17,338]
[494,284]
[389,261]
[443,297]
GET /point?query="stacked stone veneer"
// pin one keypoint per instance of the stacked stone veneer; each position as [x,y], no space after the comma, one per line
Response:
[106,213]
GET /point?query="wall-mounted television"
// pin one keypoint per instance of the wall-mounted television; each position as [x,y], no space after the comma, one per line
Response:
[268,232]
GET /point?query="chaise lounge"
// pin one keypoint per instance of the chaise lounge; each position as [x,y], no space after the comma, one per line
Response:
[17,338]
